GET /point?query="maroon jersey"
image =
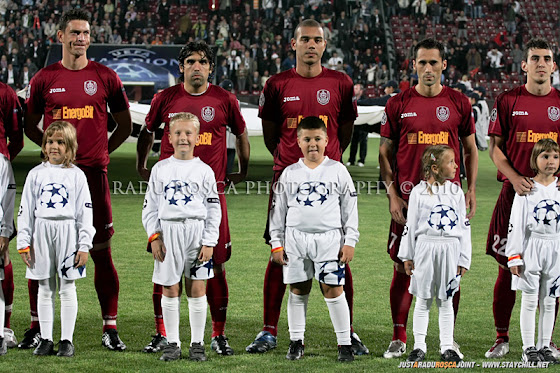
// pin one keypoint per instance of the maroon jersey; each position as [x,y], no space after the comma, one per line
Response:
[79,97]
[287,98]
[216,108]
[10,122]
[522,119]
[415,122]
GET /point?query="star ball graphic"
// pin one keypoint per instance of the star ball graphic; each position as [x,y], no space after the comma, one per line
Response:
[68,264]
[443,218]
[312,193]
[547,211]
[54,196]
[178,193]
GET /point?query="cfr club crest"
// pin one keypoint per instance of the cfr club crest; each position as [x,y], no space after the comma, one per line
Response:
[323,96]
[442,113]
[207,113]
[90,87]
[553,113]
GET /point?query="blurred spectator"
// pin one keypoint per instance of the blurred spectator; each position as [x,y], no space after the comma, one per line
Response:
[382,75]
[264,78]
[269,6]
[256,82]
[335,62]
[517,57]
[495,60]
[466,82]
[289,62]
[478,9]
[447,16]
[109,7]
[276,66]
[461,22]
[24,77]
[115,38]
[163,9]
[10,76]
[474,60]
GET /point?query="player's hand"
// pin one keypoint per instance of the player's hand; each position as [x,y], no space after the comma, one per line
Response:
[346,254]
[470,203]
[522,185]
[26,257]
[158,250]
[144,173]
[81,259]
[206,253]
[236,177]
[279,257]
[409,267]
[516,270]
[461,270]
[4,244]
[397,205]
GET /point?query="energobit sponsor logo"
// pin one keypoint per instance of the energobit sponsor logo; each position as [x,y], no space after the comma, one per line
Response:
[533,137]
[421,137]
[204,138]
[85,112]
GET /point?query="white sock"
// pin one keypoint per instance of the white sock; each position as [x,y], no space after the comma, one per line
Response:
[297,311]
[45,306]
[446,324]
[340,318]
[547,307]
[197,318]
[171,307]
[527,318]
[2,314]
[68,309]
[420,323]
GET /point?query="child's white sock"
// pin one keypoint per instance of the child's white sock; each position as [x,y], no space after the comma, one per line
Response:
[446,324]
[547,306]
[171,307]
[197,318]
[45,306]
[68,309]
[340,318]
[420,322]
[2,314]
[297,311]
[527,318]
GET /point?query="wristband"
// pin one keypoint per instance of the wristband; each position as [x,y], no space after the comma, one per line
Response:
[26,250]
[514,257]
[276,249]
[154,237]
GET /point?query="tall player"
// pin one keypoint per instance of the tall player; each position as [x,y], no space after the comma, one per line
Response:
[78,90]
[519,119]
[10,128]
[216,109]
[287,98]
[426,114]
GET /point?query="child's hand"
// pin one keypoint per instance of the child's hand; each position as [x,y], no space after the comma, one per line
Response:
[26,257]
[515,270]
[81,259]
[461,270]
[409,267]
[346,254]
[158,250]
[205,253]
[279,257]
[4,244]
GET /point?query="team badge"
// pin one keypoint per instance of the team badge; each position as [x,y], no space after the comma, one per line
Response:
[442,113]
[384,118]
[553,113]
[494,115]
[261,99]
[207,113]
[323,96]
[90,87]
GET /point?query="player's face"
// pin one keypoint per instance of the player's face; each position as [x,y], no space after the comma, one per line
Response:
[75,39]
[429,66]
[309,45]
[548,163]
[196,69]
[448,168]
[55,148]
[312,144]
[182,137]
[539,65]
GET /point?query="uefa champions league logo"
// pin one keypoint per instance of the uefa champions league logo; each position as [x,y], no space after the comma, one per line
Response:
[443,218]
[546,211]
[312,193]
[177,193]
[54,196]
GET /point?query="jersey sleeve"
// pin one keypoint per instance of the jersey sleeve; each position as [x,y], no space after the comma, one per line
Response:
[349,105]
[498,119]
[84,214]
[116,99]
[7,200]
[516,231]
[153,119]
[348,208]
[35,101]
[389,122]
[13,124]
[236,121]
[278,211]
[211,231]
[465,238]
[467,126]
[408,238]
[268,102]
[150,216]
[26,214]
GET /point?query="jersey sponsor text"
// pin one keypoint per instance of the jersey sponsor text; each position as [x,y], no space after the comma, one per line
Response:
[204,138]
[533,137]
[421,137]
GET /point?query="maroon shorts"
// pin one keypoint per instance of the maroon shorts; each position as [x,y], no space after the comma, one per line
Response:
[498,231]
[101,201]
[394,242]
[266,234]
[222,251]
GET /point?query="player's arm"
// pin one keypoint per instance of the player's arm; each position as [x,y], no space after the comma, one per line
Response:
[243,151]
[14,121]
[271,135]
[396,203]
[143,146]
[470,152]
[516,234]
[345,134]
[123,130]
[521,184]
[32,130]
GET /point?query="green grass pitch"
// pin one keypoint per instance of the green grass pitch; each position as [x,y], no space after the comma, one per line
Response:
[372,271]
